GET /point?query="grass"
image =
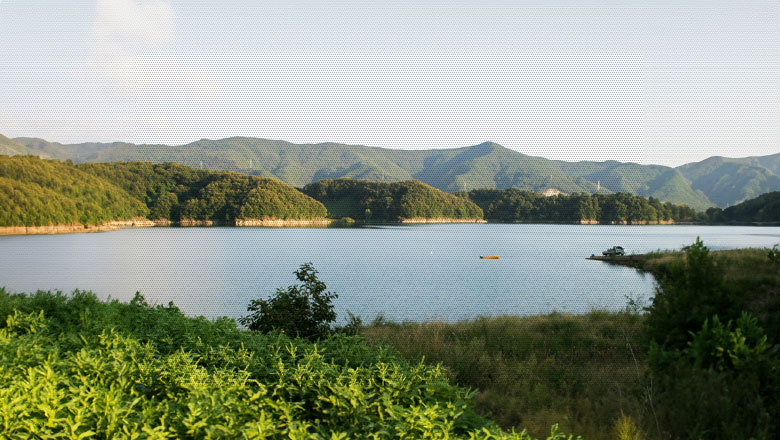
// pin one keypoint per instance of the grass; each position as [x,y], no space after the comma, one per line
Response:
[582,371]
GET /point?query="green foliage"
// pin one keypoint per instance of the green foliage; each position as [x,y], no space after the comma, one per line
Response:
[74,367]
[514,205]
[724,385]
[304,311]
[353,326]
[37,192]
[364,200]
[774,255]
[165,206]
[725,348]
[177,192]
[764,208]
[713,380]
[688,294]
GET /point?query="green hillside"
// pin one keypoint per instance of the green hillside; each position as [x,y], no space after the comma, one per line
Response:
[11,147]
[486,165]
[730,181]
[175,192]
[762,209]
[366,200]
[38,192]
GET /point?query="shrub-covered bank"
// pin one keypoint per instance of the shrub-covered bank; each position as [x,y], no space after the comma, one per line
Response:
[75,367]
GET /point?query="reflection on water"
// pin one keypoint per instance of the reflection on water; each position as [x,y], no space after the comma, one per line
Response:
[414,272]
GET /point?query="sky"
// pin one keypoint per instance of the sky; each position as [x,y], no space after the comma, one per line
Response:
[655,81]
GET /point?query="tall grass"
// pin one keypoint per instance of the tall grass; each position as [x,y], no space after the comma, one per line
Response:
[582,371]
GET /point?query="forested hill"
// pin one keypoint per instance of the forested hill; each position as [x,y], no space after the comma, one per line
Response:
[486,165]
[728,181]
[177,192]
[512,205]
[12,148]
[44,192]
[366,200]
[36,192]
[715,181]
[762,209]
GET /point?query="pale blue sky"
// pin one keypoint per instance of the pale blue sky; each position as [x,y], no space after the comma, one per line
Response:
[646,81]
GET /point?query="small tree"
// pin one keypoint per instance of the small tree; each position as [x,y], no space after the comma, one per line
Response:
[687,295]
[305,310]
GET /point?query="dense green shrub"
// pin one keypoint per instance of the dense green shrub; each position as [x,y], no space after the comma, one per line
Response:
[304,311]
[690,292]
[74,367]
[712,380]
[725,384]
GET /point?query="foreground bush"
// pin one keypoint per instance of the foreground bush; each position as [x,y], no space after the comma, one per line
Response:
[75,367]
[716,369]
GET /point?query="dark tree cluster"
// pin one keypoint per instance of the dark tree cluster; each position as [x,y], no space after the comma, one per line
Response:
[510,205]
[366,200]
[762,209]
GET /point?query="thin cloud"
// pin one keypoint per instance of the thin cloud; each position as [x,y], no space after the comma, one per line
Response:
[131,42]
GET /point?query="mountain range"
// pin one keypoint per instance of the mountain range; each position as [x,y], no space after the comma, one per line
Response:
[716,181]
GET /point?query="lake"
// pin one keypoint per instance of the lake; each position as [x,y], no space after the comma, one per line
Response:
[409,272]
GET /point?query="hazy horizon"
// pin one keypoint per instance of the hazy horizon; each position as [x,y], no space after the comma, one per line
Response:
[651,81]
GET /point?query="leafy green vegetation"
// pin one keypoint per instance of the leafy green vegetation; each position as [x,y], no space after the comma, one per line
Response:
[712,332]
[365,200]
[175,192]
[304,311]
[515,205]
[37,192]
[74,367]
[715,181]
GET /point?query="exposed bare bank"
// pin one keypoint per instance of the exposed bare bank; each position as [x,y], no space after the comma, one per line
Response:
[75,227]
[442,220]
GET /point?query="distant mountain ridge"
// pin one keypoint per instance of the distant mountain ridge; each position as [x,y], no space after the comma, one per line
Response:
[712,182]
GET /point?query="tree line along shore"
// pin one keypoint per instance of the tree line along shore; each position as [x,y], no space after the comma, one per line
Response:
[42,196]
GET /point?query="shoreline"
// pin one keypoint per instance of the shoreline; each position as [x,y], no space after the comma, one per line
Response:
[77,228]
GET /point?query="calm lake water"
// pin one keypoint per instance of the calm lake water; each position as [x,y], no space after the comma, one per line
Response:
[417,272]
